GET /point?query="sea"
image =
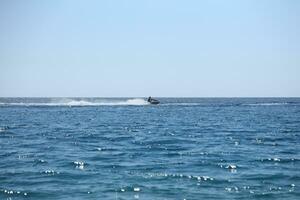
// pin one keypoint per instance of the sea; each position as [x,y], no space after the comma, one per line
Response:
[125,148]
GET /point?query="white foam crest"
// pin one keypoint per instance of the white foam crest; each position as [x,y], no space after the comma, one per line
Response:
[72,102]
[266,104]
[134,102]
[78,103]
[183,104]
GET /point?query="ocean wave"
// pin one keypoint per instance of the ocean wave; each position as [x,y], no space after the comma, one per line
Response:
[72,102]
[182,104]
[267,104]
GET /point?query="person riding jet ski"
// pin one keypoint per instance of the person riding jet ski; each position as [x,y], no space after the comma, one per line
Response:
[152,101]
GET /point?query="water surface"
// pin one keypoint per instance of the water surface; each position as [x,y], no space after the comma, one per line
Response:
[184,148]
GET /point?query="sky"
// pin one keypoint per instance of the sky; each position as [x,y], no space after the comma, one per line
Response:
[162,48]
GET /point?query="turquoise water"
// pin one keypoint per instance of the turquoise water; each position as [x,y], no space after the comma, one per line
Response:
[183,148]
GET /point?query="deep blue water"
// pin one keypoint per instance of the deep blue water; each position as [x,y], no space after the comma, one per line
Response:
[199,148]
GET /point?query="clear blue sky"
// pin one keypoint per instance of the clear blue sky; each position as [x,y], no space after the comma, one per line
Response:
[159,47]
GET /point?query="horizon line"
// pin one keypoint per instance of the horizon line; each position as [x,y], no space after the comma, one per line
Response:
[151,96]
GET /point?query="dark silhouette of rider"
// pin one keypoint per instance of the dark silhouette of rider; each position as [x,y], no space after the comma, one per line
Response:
[149,99]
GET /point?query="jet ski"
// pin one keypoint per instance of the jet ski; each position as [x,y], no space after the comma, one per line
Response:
[153,101]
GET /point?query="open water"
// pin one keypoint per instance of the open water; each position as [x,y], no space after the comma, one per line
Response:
[183,148]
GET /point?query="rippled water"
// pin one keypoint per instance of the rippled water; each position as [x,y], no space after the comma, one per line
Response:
[95,148]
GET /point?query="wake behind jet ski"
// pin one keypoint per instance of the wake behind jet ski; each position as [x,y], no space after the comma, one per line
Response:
[152,101]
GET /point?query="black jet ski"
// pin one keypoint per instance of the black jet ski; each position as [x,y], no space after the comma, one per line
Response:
[153,101]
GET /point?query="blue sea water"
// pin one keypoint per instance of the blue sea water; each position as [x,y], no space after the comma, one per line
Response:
[183,148]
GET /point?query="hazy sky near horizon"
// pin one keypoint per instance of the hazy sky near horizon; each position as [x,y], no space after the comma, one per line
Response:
[107,48]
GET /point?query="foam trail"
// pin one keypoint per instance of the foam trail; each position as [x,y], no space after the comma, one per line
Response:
[134,102]
[72,102]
